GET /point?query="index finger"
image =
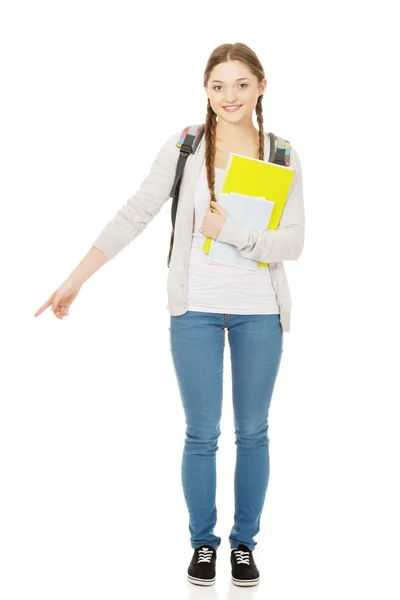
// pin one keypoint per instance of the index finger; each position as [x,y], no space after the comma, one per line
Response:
[43,307]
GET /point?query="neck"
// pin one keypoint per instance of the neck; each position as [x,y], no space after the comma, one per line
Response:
[230,133]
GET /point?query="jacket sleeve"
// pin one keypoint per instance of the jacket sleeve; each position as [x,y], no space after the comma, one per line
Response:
[134,216]
[273,245]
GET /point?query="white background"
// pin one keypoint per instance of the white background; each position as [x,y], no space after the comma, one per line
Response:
[91,424]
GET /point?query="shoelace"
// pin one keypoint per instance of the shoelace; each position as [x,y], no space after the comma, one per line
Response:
[205,555]
[241,556]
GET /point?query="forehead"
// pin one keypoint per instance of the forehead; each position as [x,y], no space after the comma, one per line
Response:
[230,71]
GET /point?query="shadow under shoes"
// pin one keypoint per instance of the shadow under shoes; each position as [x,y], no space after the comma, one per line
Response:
[244,569]
[201,570]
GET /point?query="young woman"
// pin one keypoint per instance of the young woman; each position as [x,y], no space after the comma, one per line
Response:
[205,299]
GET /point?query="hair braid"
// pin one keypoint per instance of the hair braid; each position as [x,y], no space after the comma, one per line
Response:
[210,137]
[260,121]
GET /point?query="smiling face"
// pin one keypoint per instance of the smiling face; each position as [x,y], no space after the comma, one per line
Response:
[230,84]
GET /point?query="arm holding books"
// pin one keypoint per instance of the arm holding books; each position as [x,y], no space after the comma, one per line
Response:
[273,245]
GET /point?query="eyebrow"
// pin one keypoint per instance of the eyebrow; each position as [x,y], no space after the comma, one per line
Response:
[219,81]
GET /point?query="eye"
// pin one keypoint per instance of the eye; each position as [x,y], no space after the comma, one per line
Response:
[215,86]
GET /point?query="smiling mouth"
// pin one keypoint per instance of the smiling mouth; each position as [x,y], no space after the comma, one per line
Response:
[232,108]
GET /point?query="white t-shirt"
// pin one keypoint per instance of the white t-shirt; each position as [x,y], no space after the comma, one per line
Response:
[220,288]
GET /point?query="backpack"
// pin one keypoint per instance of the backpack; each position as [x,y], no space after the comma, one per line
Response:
[188,143]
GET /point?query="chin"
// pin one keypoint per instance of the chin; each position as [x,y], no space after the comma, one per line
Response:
[229,116]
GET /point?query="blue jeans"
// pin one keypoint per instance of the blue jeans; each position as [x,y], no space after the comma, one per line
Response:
[197,341]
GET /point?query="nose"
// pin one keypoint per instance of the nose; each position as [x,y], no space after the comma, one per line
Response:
[231,98]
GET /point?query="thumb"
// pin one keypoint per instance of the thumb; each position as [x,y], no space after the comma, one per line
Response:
[55,301]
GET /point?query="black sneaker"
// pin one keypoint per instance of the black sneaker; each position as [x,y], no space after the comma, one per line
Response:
[201,570]
[244,569]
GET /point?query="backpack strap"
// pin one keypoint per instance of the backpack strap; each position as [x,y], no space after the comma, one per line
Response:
[188,143]
[279,151]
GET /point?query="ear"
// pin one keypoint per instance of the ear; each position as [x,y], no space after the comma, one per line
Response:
[263,86]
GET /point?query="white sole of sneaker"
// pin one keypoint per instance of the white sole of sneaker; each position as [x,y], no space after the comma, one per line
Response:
[197,581]
[245,582]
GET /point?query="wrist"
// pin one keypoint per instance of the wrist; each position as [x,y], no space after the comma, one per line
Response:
[232,233]
[74,281]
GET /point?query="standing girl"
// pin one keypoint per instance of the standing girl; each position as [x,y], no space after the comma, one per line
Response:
[205,299]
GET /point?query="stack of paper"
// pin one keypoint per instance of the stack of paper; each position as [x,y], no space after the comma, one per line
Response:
[247,211]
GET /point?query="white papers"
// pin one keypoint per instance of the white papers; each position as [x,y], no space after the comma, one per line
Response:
[247,211]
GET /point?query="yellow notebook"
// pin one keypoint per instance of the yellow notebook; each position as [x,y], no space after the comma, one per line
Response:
[254,177]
